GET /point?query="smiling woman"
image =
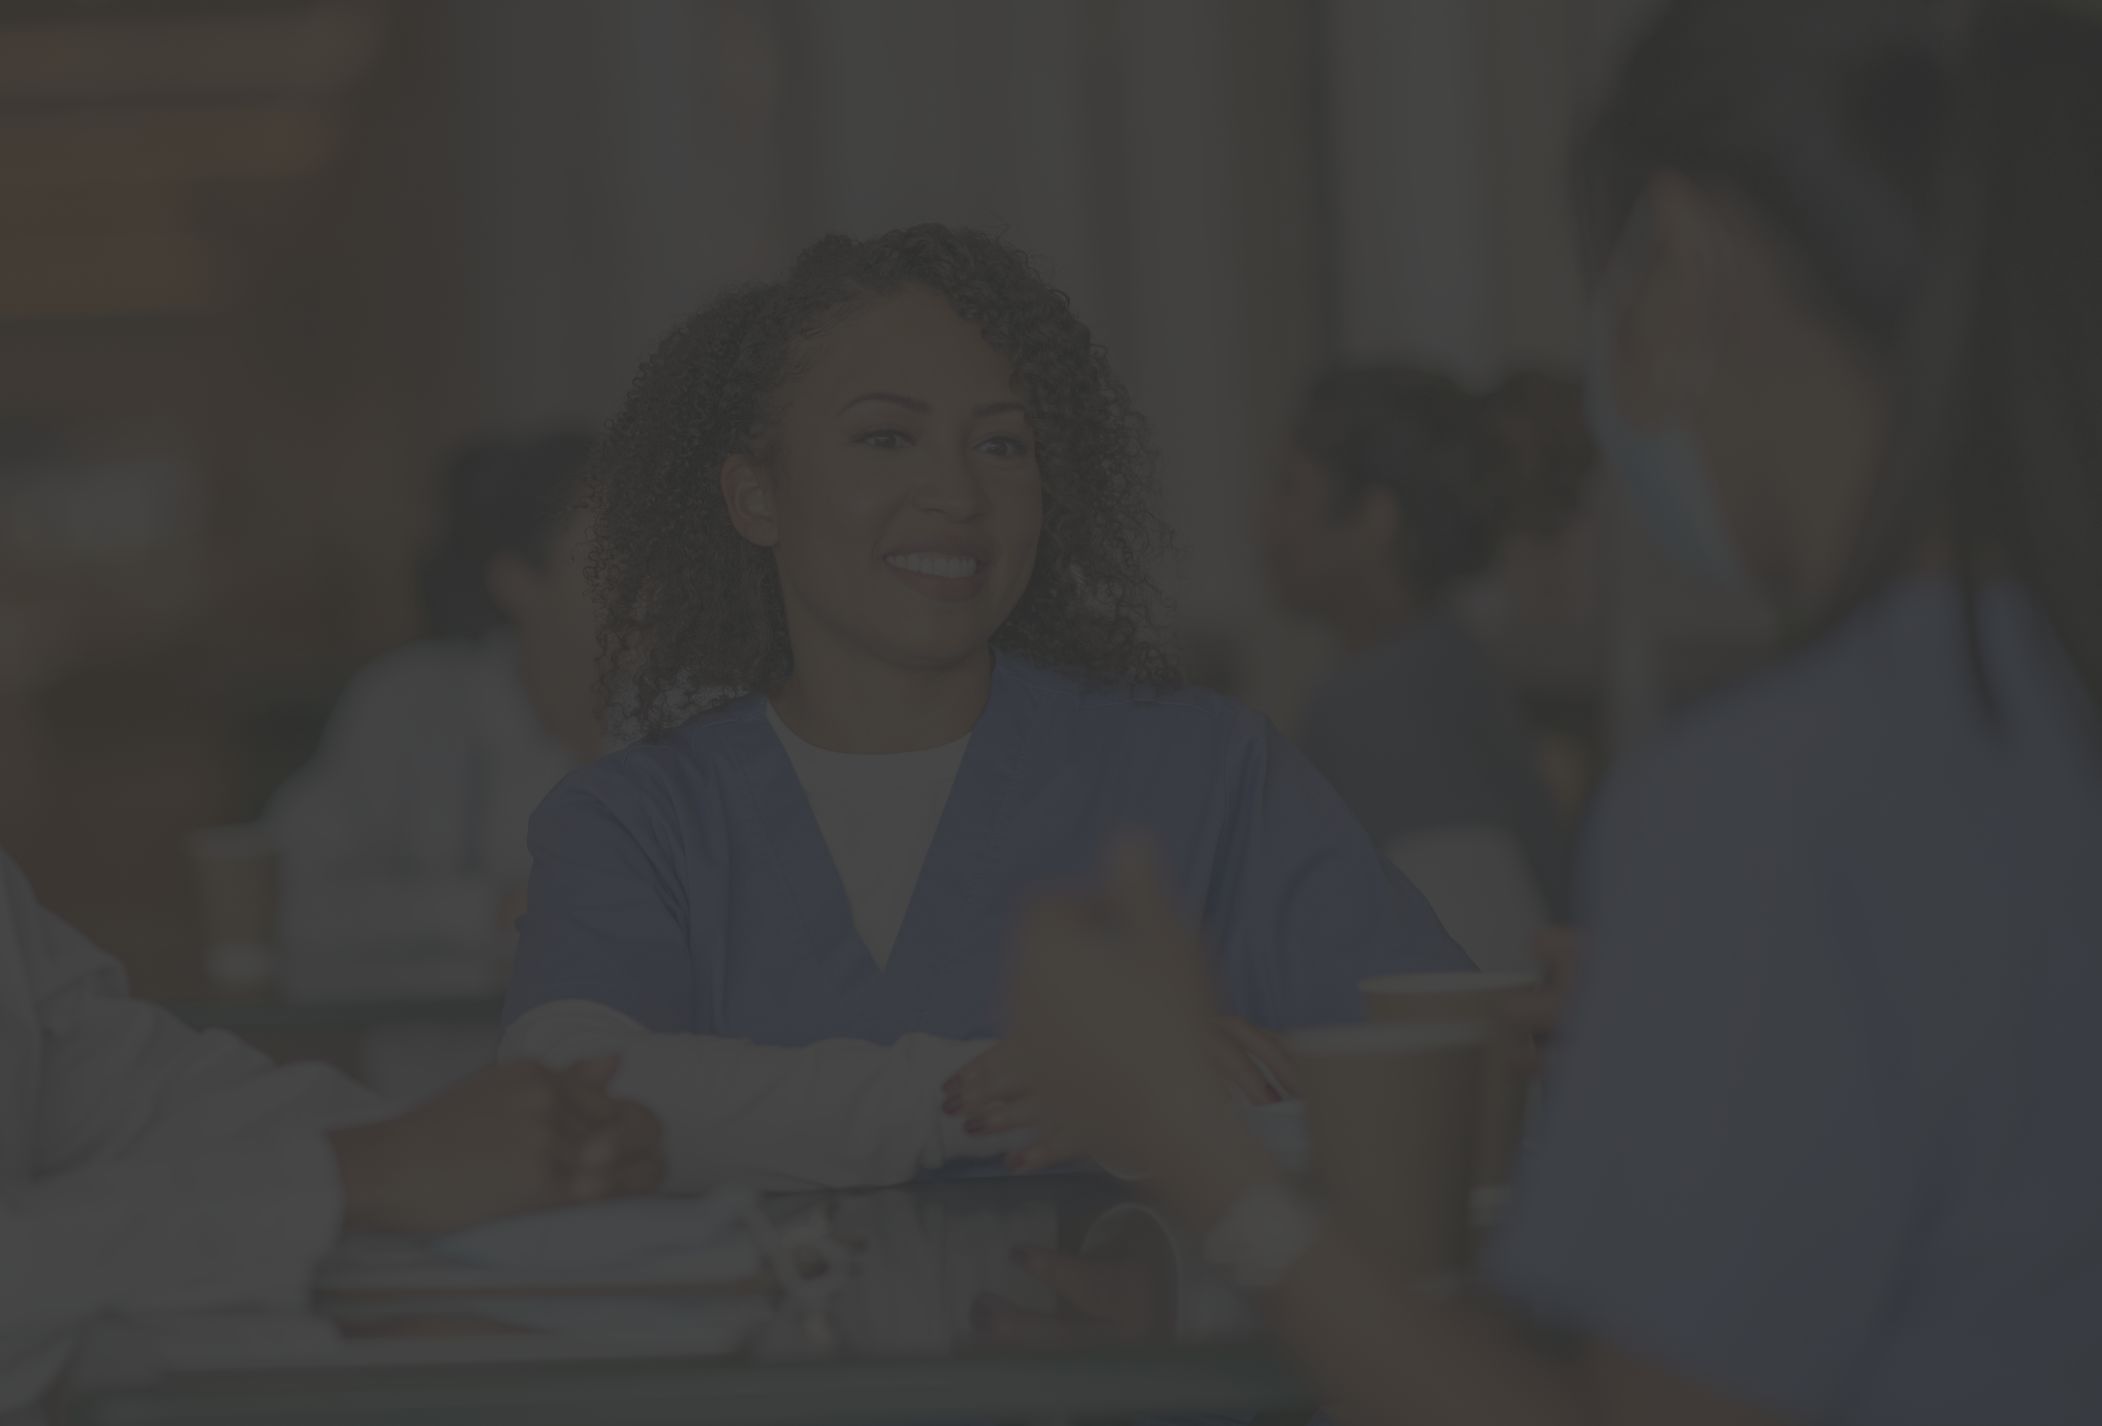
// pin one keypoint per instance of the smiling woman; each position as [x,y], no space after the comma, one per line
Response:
[900,503]
[829,378]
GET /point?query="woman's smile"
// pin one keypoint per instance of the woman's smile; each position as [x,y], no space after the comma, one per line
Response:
[949,575]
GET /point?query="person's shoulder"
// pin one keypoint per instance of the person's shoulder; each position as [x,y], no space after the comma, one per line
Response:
[1788,756]
[1728,757]
[1845,699]
[670,771]
[1167,712]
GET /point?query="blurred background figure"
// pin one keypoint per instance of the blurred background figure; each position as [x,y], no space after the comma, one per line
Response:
[401,846]
[1400,488]
[1540,609]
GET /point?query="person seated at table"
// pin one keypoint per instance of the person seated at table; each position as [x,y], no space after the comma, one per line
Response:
[901,498]
[402,845]
[145,1167]
[1819,1143]
[1395,495]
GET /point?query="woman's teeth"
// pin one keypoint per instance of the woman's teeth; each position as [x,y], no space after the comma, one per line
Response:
[940,566]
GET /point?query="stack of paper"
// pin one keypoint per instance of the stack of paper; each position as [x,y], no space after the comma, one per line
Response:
[632,1243]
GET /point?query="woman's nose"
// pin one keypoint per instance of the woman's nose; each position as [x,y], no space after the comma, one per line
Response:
[950,485]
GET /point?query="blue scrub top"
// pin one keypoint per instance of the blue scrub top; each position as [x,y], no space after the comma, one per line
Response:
[684,881]
[1821,1131]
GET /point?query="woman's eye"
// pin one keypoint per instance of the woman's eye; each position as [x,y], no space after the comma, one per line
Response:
[885,440]
[1005,447]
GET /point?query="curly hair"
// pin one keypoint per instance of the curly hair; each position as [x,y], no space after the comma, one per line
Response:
[691,612]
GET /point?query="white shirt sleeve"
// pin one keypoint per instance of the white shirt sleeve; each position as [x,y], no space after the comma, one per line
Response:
[839,1114]
[160,1168]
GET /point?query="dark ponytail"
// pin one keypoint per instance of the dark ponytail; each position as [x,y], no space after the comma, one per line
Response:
[501,497]
[1428,442]
[1936,169]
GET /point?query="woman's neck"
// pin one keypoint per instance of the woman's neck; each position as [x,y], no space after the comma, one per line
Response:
[860,704]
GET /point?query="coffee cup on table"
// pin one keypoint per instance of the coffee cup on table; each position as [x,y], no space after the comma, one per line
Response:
[1185,1298]
[236,869]
[1395,1113]
[1471,998]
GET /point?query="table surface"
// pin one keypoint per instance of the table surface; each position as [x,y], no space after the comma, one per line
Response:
[899,1340]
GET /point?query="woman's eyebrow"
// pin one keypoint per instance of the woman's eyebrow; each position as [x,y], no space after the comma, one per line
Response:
[913,403]
[908,402]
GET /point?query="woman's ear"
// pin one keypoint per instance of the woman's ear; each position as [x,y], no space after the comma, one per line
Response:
[748,494]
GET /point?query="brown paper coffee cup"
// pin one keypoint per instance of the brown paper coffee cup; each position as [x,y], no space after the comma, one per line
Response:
[1469,997]
[1395,1116]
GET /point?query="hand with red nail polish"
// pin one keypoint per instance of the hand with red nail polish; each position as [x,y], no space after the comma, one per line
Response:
[992,1094]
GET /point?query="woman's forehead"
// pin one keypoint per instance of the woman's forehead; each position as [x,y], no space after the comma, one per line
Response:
[910,344]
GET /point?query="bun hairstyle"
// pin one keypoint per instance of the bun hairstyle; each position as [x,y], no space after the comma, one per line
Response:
[1934,168]
[505,497]
[1465,470]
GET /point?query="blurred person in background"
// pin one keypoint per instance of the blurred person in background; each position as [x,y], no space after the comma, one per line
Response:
[1399,490]
[900,496]
[1541,609]
[402,846]
[145,1167]
[1818,1142]
[1549,474]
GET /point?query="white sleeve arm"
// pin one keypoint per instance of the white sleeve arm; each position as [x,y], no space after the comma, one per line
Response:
[120,1078]
[167,1169]
[839,1114]
[238,1226]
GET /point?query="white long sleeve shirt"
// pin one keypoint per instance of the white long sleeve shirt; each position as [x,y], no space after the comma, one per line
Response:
[840,1114]
[143,1166]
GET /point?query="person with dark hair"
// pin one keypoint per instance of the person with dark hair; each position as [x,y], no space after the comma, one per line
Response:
[899,500]
[1546,450]
[1817,1142]
[401,847]
[1398,490]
